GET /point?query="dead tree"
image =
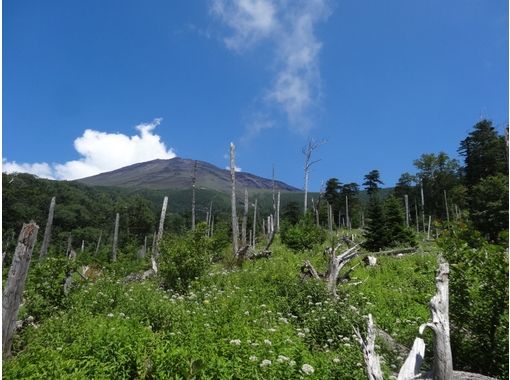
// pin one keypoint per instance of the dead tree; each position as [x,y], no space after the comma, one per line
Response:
[115,238]
[254,224]
[69,244]
[442,366]
[307,151]
[82,246]
[406,201]
[277,227]
[47,230]
[245,219]
[235,227]
[161,227]
[13,291]
[422,206]
[193,182]
[98,243]
[446,207]
[335,264]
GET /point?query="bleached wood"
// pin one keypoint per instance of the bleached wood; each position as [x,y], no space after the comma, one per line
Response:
[406,201]
[416,216]
[235,227]
[446,207]
[372,261]
[69,245]
[278,212]
[82,246]
[244,222]
[428,229]
[254,224]
[115,238]
[372,362]
[336,263]
[347,219]
[98,243]
[47,230]
[411,367]
[161,226]
[13,290]
[422,207]
[307,151]
[442,368]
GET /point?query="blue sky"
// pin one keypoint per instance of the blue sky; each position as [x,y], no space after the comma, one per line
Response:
[89,86]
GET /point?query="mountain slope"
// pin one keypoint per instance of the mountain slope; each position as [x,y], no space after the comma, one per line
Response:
[176,173]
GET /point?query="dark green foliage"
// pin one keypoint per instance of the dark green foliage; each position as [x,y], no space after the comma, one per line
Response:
[478,302]
[291,212]
[396,232]
[184,258]
[302,236]
[489,205]
[484,153]
[375,233]
[372,182]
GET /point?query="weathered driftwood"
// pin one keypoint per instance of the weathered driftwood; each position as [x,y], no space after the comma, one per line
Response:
[13,291]
[373,365]
[411,367]
[115,238]
[47,230]
[235,227]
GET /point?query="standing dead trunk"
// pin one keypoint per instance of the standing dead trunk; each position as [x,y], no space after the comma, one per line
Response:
[347,219]
[82,246]
[153,248]
[362,219]
[193,181]
[406,201]
[446,207]
[98,243]
[428,229]
[278,212]
[330,218]
[161,226]
[422,207]
[212,226]
[13,291]
[416,216]
[235,227]
[307,151]
[69,244]
[254,224]
[143,249]
[245,219]
[47,230]
[115,238]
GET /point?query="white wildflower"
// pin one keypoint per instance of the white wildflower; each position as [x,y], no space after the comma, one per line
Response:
[265,363]
[253,358]
[282,359]
[307,369]
[267,342]
[110,315]
[235,342]
[336,360]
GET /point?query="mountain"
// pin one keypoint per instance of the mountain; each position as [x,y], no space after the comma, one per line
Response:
[176,173]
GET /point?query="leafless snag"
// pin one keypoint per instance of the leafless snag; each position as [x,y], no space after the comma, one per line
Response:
[307,151]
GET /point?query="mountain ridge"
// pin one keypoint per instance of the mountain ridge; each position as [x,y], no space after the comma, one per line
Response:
[176,173]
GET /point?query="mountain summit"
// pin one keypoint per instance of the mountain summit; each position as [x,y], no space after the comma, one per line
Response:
[176,173]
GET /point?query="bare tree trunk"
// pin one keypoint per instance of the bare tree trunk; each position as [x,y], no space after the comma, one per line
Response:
[153,248]
[372,362]
[306,191]
[278,213]
[446,207]
[406,200]
[212,226]
[254,224]
[428,229]
[416,216]
[347,219]
[362,219]
[47,230]
[98,243]
[161,226]
[69,242]
[330,218]
[82,246]
[422,207]
[235,227]
[263,226]
[13,291]
[442,367]
[245,219]
[307,151]
[209,221]
[115,238]
[251,238]
[193,181]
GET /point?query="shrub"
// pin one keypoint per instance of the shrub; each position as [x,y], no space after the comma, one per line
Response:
[302,236]
[184,258]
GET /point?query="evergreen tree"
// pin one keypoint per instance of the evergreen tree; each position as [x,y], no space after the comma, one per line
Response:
[375,231]
[372,182]
[396,232]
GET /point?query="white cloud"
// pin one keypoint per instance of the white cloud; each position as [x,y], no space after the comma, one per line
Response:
[40,169]
[250,20]
[236,168]
[101,152]
[289,26]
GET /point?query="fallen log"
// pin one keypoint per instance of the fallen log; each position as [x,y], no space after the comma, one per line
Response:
[395,251]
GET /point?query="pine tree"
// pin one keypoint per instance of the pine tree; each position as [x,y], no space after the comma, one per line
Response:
[396,232]
[375,231]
